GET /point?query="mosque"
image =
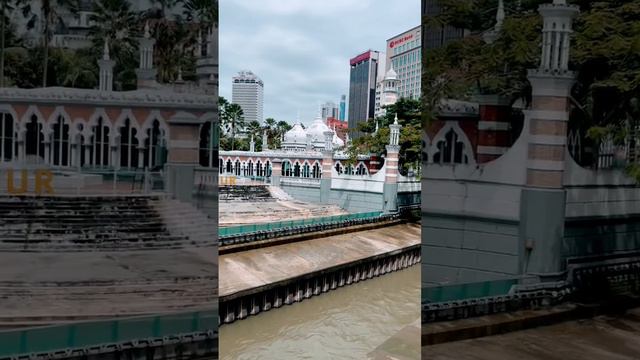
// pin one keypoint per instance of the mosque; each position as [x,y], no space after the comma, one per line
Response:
[301,154]
[312,166]
[157,126]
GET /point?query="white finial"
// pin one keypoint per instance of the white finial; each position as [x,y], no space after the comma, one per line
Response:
[180,74]
[376,127]
[147,33]
[105,51]
[500,15]
[395,121]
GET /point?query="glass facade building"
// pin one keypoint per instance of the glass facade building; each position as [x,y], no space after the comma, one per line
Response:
[362,87]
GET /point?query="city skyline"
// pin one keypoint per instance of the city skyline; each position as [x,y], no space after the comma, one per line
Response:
[301,51]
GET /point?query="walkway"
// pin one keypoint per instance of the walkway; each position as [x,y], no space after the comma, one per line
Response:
[242,271]
[603,337]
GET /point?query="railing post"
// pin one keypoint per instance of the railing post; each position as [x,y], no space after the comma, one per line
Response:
[115,177]
[145,179]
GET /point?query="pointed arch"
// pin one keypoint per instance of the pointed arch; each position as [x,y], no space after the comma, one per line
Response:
[451,146]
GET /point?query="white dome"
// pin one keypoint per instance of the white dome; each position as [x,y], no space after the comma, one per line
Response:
[317,130]
[296,135]
[391,74]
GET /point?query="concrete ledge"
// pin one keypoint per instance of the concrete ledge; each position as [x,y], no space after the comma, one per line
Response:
[463,329]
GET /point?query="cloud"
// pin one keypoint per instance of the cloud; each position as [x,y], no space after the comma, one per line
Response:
[303,7]
[301,49]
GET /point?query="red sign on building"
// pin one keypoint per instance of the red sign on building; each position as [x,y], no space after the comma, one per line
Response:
[399,41]
[362,57]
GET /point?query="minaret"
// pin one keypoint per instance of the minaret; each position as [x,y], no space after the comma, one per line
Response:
[391,164]
[145,72]
[491,35]
[265,140]
[252,145]
[542,202]
[106,69]
[389,94]
[207,64]
[327,166]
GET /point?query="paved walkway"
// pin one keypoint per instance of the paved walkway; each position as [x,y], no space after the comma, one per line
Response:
[603,337]
[86,284]
[254,268]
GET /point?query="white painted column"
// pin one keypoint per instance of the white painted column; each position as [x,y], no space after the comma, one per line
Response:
[140,157]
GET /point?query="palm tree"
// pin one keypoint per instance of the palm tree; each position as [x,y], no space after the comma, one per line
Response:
[204,12]
[270,122]
[50,16]
[280,129]
[254,129]
[235,116]
[115,20]
[165,5]
[6,32]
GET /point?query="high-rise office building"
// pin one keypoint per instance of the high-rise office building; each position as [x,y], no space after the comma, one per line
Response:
[437,36]
[343,107]
[404,52]
[247,91]
[362,86]
[330,109]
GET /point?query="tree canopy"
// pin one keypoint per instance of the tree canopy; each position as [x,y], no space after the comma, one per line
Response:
[374,142]
[605,55]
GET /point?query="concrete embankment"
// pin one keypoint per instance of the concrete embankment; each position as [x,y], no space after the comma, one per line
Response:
[261,279]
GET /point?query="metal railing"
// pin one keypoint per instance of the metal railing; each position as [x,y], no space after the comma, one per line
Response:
[272,226]
[104,333]
[465,291]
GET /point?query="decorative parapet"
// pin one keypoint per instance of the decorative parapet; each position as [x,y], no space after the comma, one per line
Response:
[303,182]
[62,95]
[458,108]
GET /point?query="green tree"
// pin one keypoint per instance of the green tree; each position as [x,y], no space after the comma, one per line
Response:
[49,15]
[254,128]
[375,142]
[235,119]
[605,55]
[116,21]
[7,36]
[204,12]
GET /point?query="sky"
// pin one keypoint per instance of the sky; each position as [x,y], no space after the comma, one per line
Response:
[301,48]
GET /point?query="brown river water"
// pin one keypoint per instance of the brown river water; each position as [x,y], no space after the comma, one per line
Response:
[346,323]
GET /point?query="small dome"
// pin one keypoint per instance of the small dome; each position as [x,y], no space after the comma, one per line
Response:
[297,135]
[391,74]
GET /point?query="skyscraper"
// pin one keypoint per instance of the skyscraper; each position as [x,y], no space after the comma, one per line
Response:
[404,53]
[247,91]
[362,86]
[329,109]
[343,107]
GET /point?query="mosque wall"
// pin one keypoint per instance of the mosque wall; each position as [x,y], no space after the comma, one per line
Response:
[357,201]
[302,192]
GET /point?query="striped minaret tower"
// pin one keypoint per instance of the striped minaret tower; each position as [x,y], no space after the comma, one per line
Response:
[391,163]
[106,69]
[327,165]
[543,199]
